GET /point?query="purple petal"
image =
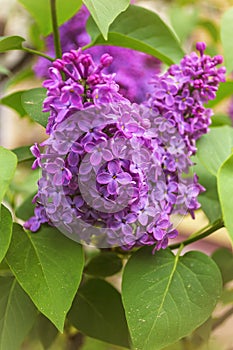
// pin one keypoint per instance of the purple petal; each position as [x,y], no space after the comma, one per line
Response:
[89,147]
[112,187]
[95,158]
[107,155]
[104,178]
[143,219]
[113,166]
[124,178]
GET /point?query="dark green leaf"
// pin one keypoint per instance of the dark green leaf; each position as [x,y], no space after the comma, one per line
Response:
[215,147]
[226,33]
[98,312]
[225,191]
[14,101]
[143,30]
[41,12]
[44,331]
[23,153]
[225,90]
[103,265]
[11,43]
[17,314]
[105,12]
[32,101]
[167,297]
[224,259]
[26,209]
[48,266]
[5,231]
[8,163]
[221,120]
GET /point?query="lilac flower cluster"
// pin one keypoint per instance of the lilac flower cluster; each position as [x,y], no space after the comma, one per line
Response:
[113,171]
[137,65]
[84,85]
[180,94]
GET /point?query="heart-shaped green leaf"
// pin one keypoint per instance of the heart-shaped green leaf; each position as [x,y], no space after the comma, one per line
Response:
[143,30]
[98,312]
[48,266]
[166,297]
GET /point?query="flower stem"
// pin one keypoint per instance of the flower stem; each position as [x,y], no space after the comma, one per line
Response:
[56,34]
[38,53]
[216,226]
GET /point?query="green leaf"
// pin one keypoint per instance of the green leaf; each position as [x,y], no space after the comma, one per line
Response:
[225,33]
[4,71]
[225,90]
[167,297]
[105,12]
[14,101]
[11,43]
[221,120]
[26,209]
[17,314]
[44,331]
[183,20]
[143,30]
[215,147]
[103,265]
[40,11]
[98,312]
[32,101]
[48,266]
[211,27]
[5,231]
[23,153]
[8,163]
[224,259]
[225,191]
[209,198]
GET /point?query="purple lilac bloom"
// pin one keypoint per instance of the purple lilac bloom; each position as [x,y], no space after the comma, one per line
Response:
[113,171]
[180,94]
[132,76]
